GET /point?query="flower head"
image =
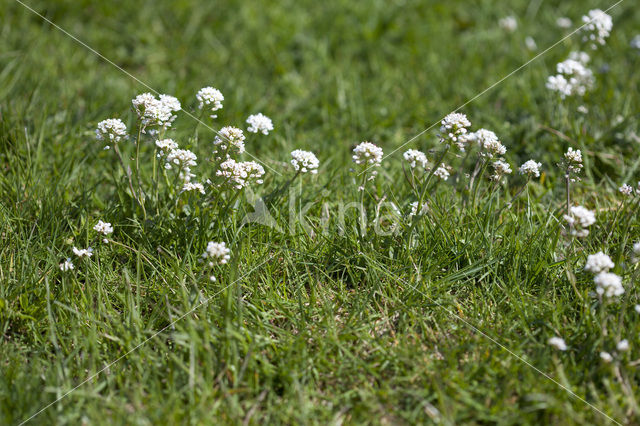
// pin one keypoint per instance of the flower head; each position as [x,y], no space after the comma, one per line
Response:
[216,253]
[626,189]
[88,252]
[304,161]
[508,23]
[166,146]
[558,343]
[623,345]
[210,97]
[414,209]
[573,77]
[500,169]
[67,265]
[240,174]
[193,186]
[453,127]
[597,27]
[259,123]
[415,158]
[155,112]
[579,219]
[112,130]
[442,172]
[598,262]
[489,143]
[182,160]
[572,163]
[104,228]
[229,140]
[608,284]
[530,168]
[563,22]
[606,357]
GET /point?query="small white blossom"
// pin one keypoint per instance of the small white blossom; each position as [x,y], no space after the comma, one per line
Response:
[572,162]
[582,109]
[415,158]
[608,284]
[442,173]
[414,209]
[508,23]
[501,168]
[637,309]
[598,262]
[216,253]
[229,140]
[193,186]
[623,345]
[573,77]
[579,219]
[453,127]
[597,27]
[154,112]
[112,130]
[171,102]
[606,357]
[530,168]
[563,22]
[558,343]
[104,228]
[259,123]
[489,143]
[304,161]
[67,265]
[211,97]
[367,153]
[166,146]
[88,252]
[183,160]
[530,43]
[626,189]
[240,174]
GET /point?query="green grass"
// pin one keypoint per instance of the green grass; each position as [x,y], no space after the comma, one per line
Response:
[309,325]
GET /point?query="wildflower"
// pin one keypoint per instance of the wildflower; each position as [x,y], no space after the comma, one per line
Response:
[598,262]
[229,139]
[530,43]
[184,160]
[500,168]
[211,97]
[304,161]
[154,112]
[572,162]
[112,129]
[558,343]
[193,186]
[508,23]
[88,252]
[414,209]
[625,189]
[171,102]
[454,126]
[67,265]
[166,146]
[623,345]
[579,56]
[563,22]
[216,253]
[415,158]
[637,308]
[582,109]
[367,153]
[259,123]
[240,174]
[635,42]
[104,228]
[597,27]
[530,168]
[608,284]
[489,143]
[442,173]
[606,357]
[573,77]
[579,219]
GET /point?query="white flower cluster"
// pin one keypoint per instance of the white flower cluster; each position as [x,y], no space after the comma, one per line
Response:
[216,253]
[88,252]
[490,145]
[183,159]
[259,123]
[112,130]
[453,127]
[240,174]
[598,262]
[367,153]
[508,23]
[193,186]
[414,209]
[442,172]
[597,27]
[211,97]
[626,189]
[304,161]
[500,169]
[103,228]
[415,158]
[563,22]
[156,112]
[530,168]
[608,284]
[573,78]
[67,265]
[558,343]
[229,140]
[572,163]
[579,219]
[166,146]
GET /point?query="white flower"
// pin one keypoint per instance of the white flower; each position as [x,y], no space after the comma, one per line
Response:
[229,139]
[608,284]
[166,146]
[606,357]
[508,23]
[500,168]
[563,22]
[170,102]
[184,160]
[579,219]
[442,173]
[530,43]
[259,123]
[367,153]
[557,83]
[104,228]
[579,56]
[240,174]
[154,112]
[623,345]
[304,161]
[415,158]
[211,97]
[193,186]
[67,265]
[637,308]
[597,27]
[489,143]
[454,126]
[216,253]
[530,168]
[598,262]
[558,343]
[626,189]
[112,129]
[573,161]
[582,109]
[88,252]
[635,42]
[414,209]
[573,77]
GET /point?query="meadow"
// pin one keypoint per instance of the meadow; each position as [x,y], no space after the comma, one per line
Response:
[302,212]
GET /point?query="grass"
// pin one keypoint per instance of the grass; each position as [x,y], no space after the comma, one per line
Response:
[312,325]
